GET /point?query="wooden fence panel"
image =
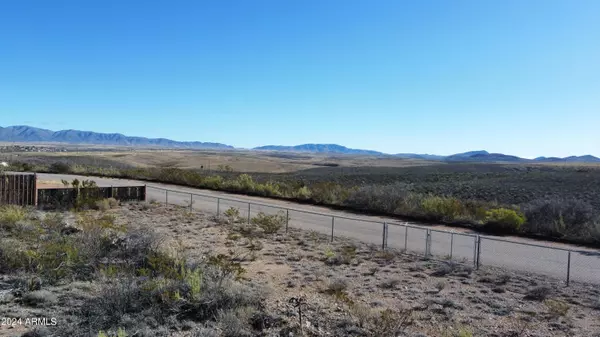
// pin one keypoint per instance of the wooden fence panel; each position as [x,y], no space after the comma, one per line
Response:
[17,189]
[61,198]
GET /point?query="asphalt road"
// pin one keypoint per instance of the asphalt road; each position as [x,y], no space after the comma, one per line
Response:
[522,254]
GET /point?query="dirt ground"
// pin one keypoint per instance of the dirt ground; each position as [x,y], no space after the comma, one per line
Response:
[345,282]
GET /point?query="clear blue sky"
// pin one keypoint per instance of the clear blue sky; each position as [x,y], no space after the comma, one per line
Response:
[519,77]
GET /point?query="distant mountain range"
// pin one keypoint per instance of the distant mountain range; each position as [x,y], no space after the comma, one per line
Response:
[24,133]
[318,148]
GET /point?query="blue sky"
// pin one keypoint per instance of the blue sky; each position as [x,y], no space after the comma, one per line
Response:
[518,77]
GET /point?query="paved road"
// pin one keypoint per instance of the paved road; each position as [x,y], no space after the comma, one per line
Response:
[519,254]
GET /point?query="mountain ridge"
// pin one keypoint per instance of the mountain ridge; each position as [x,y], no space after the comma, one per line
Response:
[24,133]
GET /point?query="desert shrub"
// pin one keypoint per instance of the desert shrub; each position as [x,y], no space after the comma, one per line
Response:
[337,286]
[391,323]
[213,182]
[390,283]
[538,293]
[442,208]
[39,298]
[383,198]
[232,214]
[235,323]
[347,253]
[10,215]
[102,205]
[268,189]
[504,220]
[329,193]
[556,308]
[59,167]
[558,217]
[362,313]
[302,193]
[12,256]
[270,224]
[440,286]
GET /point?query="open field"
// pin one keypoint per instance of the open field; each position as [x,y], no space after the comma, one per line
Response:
[168,271]
[235,161]
[551,201]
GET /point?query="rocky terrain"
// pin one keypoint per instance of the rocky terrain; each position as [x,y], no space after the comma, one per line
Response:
[341,288]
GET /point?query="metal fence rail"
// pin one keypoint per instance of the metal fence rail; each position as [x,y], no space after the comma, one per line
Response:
[566,264]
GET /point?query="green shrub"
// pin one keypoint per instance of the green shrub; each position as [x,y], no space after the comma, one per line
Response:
[232,214]
[303,193]
[60,168]
[214,182]
[10,215]
[330,193]
[556,308]
[270,224]
[442,208]
[505,219]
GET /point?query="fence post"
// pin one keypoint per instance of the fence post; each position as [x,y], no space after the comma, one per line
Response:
[166,197]
[405,238]
[287,219]
[451,244]
[191,201]
[427,243]
[383,238]
[474,251]
[218,207]
[569,269]
[332,224]
[248,213]
[478,250]
[387,234]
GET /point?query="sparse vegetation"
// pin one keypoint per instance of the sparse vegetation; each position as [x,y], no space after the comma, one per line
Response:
[10,215]
[270,223]
[556,308]
[557,202]
[538,293]
[121,278]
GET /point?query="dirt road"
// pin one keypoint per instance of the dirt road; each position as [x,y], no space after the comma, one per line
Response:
[522,254]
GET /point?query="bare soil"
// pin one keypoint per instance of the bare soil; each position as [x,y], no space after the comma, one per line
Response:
[441,298]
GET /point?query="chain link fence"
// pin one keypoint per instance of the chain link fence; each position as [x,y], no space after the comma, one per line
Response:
[560,263]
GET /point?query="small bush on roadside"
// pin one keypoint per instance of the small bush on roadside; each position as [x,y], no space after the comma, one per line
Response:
[505,220]
[303,193]
[232,214]
[383,198]
[442,208]
[270,224]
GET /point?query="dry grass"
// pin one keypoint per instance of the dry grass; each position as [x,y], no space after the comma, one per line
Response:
[239,161]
